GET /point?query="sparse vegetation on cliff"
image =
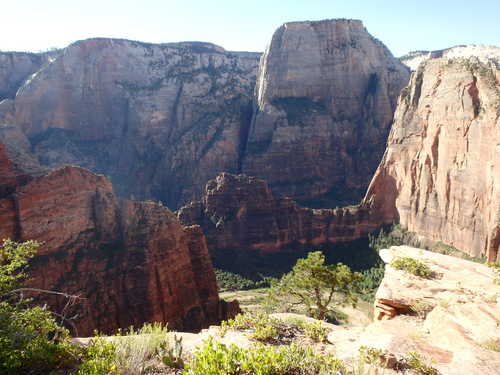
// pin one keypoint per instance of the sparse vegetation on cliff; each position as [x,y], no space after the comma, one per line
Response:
[412,266]
[214,358]
[317,286]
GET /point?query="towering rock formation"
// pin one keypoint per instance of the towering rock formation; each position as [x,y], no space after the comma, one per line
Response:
[440,175]
[239,212]
[324,102]
[160,120]
[130,262]
[18,68]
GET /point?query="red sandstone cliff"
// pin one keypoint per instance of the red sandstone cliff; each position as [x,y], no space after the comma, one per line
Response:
[132,262]
[162,119]
[240,212]
[440,175]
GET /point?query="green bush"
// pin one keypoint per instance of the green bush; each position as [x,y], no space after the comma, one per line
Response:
[31,341]
[496,270]
[127,353]
[217,359]
[263,326]
[98,358]
[420,367]
[315,331]
[229,281]
[413,266]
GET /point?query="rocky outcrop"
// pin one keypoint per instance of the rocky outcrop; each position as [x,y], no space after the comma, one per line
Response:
[453,327]
[130,262]
[8,179]
[440,174]
[485,54]
[18,68]
[324,103]
[454,314]
[240,212]
[160,120]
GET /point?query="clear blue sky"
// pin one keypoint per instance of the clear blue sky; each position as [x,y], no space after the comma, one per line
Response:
[403,26]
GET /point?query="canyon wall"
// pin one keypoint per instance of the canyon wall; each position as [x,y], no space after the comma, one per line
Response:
[130,262]
[240,212]
[324,102]
[440,174]
[158,119]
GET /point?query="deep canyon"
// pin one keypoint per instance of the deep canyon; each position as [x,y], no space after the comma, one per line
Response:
[102,141]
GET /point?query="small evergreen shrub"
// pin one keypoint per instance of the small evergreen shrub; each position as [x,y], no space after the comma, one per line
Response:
[98,358]
[31,341]
[262,326]
[124,353]
[418,364]
[315,331]
[413,266]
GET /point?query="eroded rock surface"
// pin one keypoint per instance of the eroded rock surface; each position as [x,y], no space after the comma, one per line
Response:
[455,312]
[440,174]
[160,120]
[483,53]
[130,262]
[240,212]
[324,102]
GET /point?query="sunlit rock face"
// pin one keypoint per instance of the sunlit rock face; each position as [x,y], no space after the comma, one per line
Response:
[130,263]
[440,175]
[324,102]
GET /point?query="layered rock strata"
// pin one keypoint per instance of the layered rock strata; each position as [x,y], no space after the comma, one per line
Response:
[440,174]
[129,262]
[484,53]
[160,120]
[241,212]
[324,103]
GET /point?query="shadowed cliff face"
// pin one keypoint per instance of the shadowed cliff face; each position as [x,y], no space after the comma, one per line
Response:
[440,175]
[324,102]
[131,262]
[160,120]
[240,213]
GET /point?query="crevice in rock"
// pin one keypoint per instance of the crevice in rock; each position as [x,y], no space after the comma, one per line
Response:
[474,93]
[417,88]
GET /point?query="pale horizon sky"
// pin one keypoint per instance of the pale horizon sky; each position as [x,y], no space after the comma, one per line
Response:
[403,26]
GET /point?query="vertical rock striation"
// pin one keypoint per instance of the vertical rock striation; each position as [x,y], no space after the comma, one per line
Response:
[440,175]
[159,119]
[324,101]
[131,262]
[240,212]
